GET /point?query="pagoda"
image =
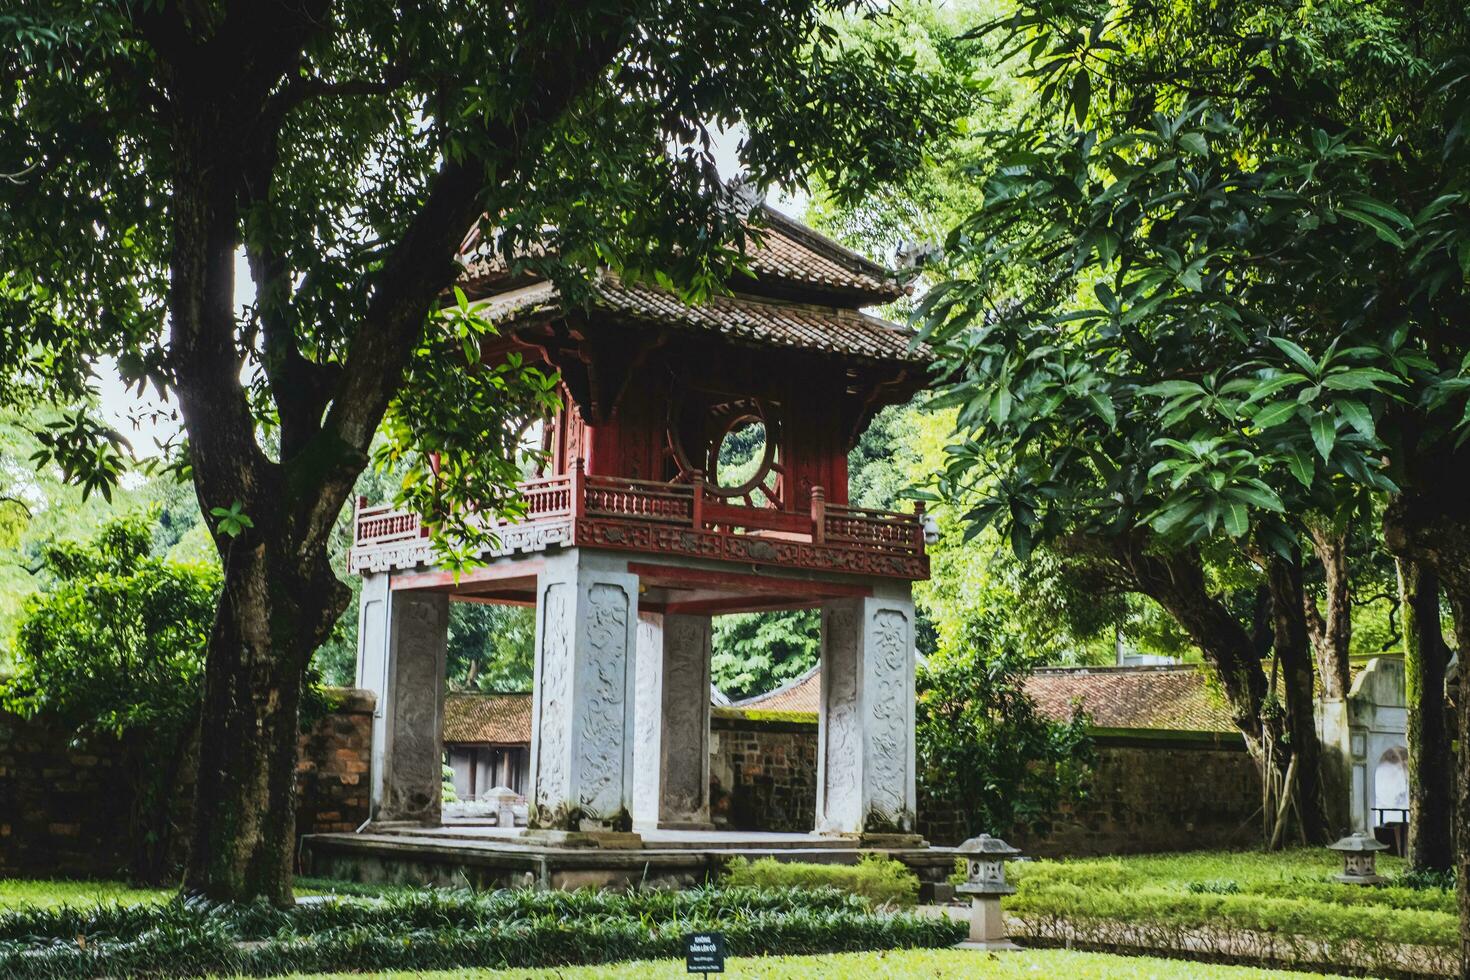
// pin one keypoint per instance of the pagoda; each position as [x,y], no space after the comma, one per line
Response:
[698,467]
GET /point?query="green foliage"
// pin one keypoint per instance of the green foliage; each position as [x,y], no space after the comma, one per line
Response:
[112,647]
[984,752]
[115,641]
[758,652]
[881,880]
[491,648]
[445,930]
[1244,901]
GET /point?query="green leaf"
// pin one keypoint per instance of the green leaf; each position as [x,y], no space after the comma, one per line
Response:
[1324,433]
[1236,521]
[1274,414]
[1195,143]
[1377,224]
[1358,417]
[1303,467]
[1102,404]
[1294,351]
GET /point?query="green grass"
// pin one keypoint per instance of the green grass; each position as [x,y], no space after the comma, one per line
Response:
[883,880]
[929,963]
[18,893]
[51,893]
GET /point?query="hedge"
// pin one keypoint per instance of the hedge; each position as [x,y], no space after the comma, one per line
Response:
[880,879]
[427,930]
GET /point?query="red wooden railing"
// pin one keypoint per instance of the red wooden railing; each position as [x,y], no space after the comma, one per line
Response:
[682,505]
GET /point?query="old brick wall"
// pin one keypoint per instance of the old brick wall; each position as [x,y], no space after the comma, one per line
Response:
[1150,791]
[763,770]
[332,774]
[64,811]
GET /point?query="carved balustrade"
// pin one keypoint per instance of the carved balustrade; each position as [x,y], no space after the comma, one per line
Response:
[665,518]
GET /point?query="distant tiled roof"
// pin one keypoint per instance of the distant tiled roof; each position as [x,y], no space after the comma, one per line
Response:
[786,250]
[799,694]
[500,719]
[767,322]
[1168,698]
[1172,697]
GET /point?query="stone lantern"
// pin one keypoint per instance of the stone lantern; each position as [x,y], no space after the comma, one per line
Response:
[985,859]
[1359,859]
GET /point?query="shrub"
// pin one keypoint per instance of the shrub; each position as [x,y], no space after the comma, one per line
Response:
[985,753]
[112,647]
[879,879]
[425,930]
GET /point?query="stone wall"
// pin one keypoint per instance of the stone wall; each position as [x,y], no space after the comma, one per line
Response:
[65,811]
[763,770]
[1151,790]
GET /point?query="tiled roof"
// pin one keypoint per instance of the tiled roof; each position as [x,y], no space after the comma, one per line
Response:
[785,250]
[500,719]
[799,694]
[1172,697]
[766,322]
[793,252]
[1167,698]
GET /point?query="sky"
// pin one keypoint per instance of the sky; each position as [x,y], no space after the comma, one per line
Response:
[146,419]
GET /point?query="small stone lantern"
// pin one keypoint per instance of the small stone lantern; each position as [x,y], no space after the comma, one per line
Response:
[1359,859]
[985,859]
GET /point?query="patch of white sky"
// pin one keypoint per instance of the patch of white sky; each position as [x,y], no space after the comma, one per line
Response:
[148,420]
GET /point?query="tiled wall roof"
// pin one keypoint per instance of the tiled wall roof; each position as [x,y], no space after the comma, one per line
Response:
[503,719]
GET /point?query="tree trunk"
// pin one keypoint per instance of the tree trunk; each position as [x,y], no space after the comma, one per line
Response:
[1431,757]
[1293,651]
[1435,531]
[1332,633]
[271,617]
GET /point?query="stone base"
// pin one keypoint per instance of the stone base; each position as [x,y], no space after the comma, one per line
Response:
[890,840]
[994,945]
[607,840]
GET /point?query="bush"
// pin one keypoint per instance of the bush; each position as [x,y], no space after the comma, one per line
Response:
[112,647]
[426,930]
[879,879]
[985,754]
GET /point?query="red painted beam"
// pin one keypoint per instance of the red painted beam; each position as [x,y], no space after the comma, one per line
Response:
[674,577]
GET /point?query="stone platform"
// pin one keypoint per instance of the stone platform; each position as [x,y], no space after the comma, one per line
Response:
[484,856]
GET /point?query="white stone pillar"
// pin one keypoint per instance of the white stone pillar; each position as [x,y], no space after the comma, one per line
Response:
[401,641]
[865,749]
[671,745]
[582,724]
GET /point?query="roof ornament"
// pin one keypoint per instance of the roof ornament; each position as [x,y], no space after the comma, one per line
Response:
[742,195]
[916,255]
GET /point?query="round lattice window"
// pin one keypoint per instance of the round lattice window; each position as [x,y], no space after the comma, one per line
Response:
[733,443]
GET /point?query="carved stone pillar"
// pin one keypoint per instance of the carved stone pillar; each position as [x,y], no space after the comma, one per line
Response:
[671,747]
[582,725]
[401,644]
[865,754]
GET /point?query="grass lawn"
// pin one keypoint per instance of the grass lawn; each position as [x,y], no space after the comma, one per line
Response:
[1040,964]
[51,893]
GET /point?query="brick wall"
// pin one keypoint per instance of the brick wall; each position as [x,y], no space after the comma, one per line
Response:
[763,770]
[65,811]
[1151,791]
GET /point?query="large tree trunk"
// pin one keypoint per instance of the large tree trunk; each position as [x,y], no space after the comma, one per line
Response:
[1290,639]
[1431,782]
[1435,530]
[271,617]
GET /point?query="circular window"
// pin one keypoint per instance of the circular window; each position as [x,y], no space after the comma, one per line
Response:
[742,456]
[732,443]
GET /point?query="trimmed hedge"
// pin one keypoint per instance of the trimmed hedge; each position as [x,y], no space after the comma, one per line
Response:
[438,930]
[1291,917]
[880,879]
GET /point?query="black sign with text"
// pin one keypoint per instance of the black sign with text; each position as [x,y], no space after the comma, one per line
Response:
[704,952]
